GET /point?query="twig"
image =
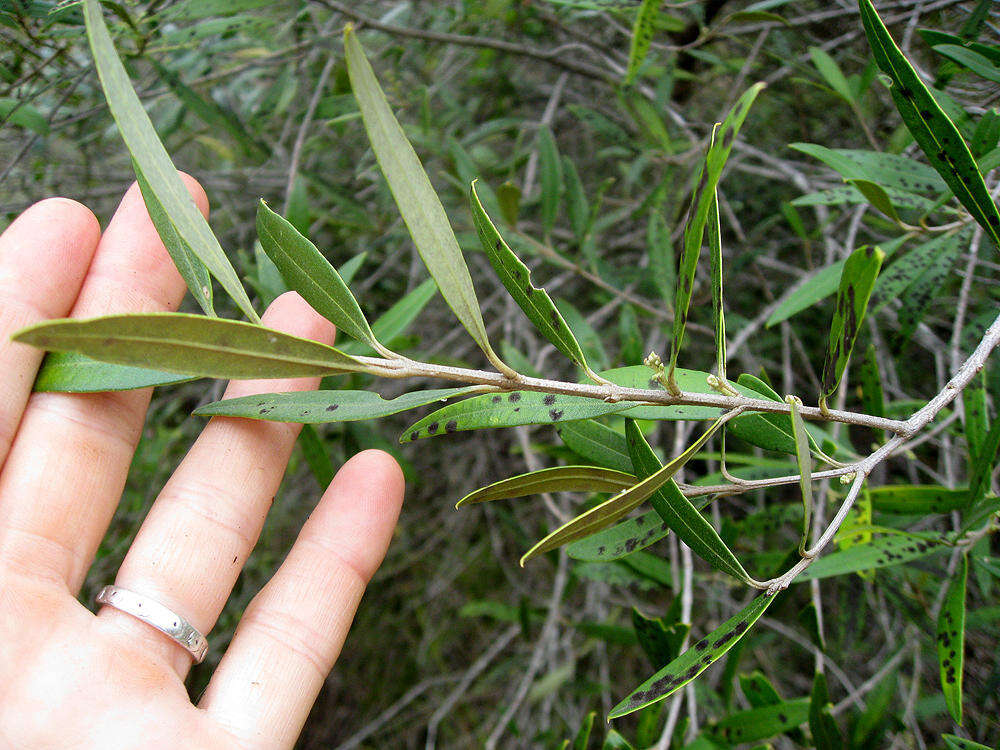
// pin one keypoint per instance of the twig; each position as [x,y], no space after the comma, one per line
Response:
[552,57]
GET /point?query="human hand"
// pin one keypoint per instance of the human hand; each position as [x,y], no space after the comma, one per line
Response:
[69,678]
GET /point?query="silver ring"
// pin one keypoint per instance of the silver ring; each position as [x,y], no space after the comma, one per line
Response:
[156,615]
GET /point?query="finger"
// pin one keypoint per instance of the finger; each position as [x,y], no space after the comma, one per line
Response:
[200,530]
[44,256]
[293,630]
[67,466]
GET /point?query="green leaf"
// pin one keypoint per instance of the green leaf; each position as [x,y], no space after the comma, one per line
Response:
[512,409]
[758,724]
[316,456]
[318,407]
[826,735]
[818,285]
[951,639]
[418,204]
[661,257]
[977,63]
[517,408]
[718,311]
[979,478]
[642,35]
[577,208]
[932,129]
[856,283]
[918,500]
[550,170]
[621,539]
[976,417]
[192,345]
[698,216]
[695,660]
[831,73]
[153,162]
[877,196]
[605,514]
[509,198]
[68,372]
[614,741]
[582,738]
[930,260]
[24,115]
[305,270]
[660,640]
[596,442]
[883,552]
[191,269]
[687,522]
[758,690]
[803,458]
[889,170]
[960,743]
[926,286]
[555,479]
[516,278]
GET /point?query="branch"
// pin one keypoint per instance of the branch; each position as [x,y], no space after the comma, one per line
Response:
[552,57]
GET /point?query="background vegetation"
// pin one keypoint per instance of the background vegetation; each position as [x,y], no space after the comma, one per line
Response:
[455,644]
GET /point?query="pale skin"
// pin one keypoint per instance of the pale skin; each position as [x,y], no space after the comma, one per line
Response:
[72,678]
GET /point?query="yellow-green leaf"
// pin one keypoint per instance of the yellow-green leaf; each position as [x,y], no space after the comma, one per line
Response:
[555,479]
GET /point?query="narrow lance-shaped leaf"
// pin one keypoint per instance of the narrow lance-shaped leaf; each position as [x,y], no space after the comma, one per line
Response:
[698,214]
[804,459]
[872,397]
[555,479]
[856,283]
[951,639]
[960,743]
[642,35]
[688,523]
[826,734]
[596,442]
[621,539]
[69,372]
[185,259]
[305,270]
[516,278]
[550,171]
[918,500]
[976,417]
[319,407]
[756,724]
[611,510]
[719,313]
[192,345]
[876,195]
[695,660]
[418,204]
[159,172]
[884,552]
[932,129]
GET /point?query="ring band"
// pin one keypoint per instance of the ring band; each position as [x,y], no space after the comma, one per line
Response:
[156,615]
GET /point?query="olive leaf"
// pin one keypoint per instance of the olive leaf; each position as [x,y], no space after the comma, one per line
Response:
[318,407]
[695,660]
[192,345]
[516,278]
[605,514]
[555,479]
[803,457]
[951,639]
[159,173]
[418,204]
[305,270]
[698,215]
[676,510]
[932,129]
[856,283]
